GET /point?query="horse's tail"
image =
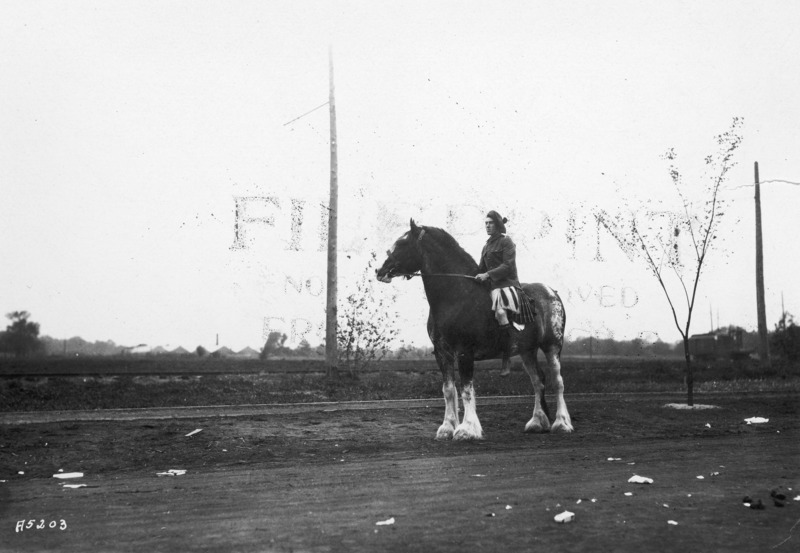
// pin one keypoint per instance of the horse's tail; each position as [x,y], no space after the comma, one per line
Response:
[563,322]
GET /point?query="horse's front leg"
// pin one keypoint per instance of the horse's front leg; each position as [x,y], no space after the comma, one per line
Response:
[450,393]
[470,427]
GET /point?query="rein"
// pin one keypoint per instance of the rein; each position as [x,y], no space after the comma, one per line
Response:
[456,275]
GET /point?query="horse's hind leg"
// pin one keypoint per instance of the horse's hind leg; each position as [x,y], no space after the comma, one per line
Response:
[448,427]
[539,421]
[562,422]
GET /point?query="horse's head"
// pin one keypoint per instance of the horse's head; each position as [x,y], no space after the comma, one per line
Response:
[404,257]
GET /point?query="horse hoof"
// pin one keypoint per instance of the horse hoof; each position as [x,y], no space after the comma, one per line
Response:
[444,433]
[466,433]
[537,425]
[562,426]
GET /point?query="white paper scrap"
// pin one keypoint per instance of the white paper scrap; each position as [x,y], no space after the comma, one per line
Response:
[564,517]
[386,522]
[636,479]
[69,475]
[193,432]
[672,522]
[615,459]
[629,494]
[701,477]
[172,472]
[73,486]
[756,420]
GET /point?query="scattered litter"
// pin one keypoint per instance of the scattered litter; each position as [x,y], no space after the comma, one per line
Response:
[797,498]
[684,406]
[60,470]
[615,459]
[172,472]
[387,522]
[672,522]
[756,420]
[2,481]
[629,494]
[631,463]
[193,432]
[701,477]
[688,495]
[73,486]
[478,475]
[565,517]
[578,502]
[509,507]
[21,472]
[594,500]
[708,425]
[636,479]
[666,506]
[714,474]
[69,475]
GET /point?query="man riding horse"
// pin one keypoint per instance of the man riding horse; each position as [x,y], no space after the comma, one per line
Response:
[498,266]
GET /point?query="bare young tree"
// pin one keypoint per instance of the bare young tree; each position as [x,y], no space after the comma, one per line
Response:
[679,275]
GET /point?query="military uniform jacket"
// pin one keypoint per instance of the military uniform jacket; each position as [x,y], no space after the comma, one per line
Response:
[499,261]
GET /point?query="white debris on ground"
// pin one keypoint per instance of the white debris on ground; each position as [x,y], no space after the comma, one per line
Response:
[193,432]
[708,425]
[672,522]
[73,486]
[756,420]
[629,494]
[509,507]
[65,475]
[387,522]
[685,406]
[564,517]
[636,479]
[701,477]
[172,472]
[615,459]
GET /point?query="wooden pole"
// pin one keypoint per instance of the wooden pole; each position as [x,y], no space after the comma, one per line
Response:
[763,342]
[331,349]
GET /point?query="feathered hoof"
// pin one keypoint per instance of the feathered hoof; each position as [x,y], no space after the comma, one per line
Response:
[562,425]
[538,424]
[445,432]
[468,432]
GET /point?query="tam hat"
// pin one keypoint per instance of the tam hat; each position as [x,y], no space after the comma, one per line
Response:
[499,221]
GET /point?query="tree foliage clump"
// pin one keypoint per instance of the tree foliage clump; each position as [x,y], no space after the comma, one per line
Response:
[786,338]
[21,337]
[274,345]
[367,325]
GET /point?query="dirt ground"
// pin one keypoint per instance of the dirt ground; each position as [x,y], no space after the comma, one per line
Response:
[322,480]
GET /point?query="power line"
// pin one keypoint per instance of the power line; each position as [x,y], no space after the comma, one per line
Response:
[306,113]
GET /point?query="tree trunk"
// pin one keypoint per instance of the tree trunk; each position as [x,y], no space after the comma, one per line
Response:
[689,375]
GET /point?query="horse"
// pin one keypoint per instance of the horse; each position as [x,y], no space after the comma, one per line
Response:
[463,329]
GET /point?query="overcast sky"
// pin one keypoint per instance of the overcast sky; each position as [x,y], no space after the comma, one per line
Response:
[132,129]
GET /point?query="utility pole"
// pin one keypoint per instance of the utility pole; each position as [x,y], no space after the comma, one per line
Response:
[763,342]
[331,349]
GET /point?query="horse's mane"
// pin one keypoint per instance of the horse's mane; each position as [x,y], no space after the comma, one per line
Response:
[450,248]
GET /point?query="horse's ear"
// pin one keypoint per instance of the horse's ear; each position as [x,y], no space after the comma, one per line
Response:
[414,228]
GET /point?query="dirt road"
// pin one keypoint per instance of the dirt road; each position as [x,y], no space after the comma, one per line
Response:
[321,481]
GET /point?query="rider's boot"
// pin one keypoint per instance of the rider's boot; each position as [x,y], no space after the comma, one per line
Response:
[505,348]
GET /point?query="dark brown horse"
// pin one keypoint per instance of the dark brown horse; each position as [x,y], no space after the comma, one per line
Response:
[463,329]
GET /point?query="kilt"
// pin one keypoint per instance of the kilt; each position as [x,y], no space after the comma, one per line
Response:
[515,301]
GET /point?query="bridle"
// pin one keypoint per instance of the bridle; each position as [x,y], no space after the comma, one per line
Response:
[411,275]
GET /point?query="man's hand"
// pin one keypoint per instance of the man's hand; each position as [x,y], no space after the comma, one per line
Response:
[483,277]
